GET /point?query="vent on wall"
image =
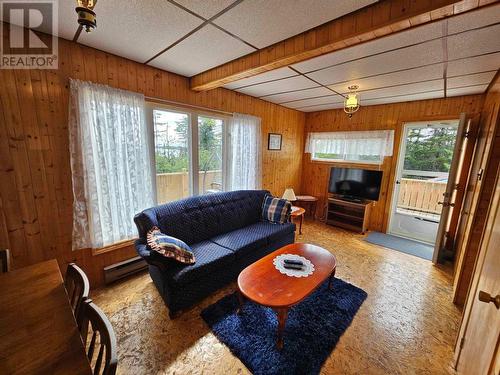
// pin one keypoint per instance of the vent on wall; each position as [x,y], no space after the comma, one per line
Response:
[123,269]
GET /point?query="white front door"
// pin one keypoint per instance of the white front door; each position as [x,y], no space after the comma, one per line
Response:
[422,173]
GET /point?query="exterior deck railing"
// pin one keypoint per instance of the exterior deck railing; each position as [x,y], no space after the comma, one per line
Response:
[173,186]
[421,195]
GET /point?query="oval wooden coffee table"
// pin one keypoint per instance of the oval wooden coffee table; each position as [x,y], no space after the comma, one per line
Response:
[262,283]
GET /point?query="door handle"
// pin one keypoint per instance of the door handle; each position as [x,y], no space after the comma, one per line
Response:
[446,204]
[486,297]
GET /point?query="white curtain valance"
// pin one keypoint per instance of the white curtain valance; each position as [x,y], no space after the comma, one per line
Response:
[372,143]
[110,163]
[243,167]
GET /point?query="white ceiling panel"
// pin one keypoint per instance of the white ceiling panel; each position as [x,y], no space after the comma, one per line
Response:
[322,107]
[477,18]
[474,65]
[408,37]
[275,87]
[410,89]
[264,77]
[205,8]
[67,20]
[470,80]
[404,98]
[467,90]
[206,48]
[422,54]
[474,42]
[298,95]
[425,73]
[145,32]
[264,22]
[315,101]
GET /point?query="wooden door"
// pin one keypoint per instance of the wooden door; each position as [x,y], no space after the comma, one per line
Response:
[477,350]
[444,220]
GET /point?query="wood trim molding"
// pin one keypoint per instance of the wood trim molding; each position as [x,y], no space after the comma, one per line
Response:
[116,246]
[380,19]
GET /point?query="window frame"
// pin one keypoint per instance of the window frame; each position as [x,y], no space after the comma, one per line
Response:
[193,114]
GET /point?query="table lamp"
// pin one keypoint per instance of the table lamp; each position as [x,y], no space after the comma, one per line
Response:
[289,195]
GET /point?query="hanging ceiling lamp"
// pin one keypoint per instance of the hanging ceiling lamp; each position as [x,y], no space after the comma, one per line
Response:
[86,15]
[351,103]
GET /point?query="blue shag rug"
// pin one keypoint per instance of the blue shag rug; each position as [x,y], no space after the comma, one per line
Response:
[312,330]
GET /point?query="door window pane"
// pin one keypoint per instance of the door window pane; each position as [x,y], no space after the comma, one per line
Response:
[210,138]
[171,132]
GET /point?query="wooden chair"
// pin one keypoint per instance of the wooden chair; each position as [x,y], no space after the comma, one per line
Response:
[5,260]
[103,336]
[77,286]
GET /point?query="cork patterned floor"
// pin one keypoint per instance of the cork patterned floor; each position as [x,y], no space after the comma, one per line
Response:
[407,325]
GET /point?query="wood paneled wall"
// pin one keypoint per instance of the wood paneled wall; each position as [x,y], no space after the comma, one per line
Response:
[389,116]
[35,188]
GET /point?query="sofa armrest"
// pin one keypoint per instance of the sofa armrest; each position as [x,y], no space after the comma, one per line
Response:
[151,257]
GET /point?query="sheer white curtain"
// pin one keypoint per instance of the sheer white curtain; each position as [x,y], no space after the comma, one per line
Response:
[243,169]
[367,143]
[110,163]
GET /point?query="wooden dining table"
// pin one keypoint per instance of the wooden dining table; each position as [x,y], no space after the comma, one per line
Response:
[38,332]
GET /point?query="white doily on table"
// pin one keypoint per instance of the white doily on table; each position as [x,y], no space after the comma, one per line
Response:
[307,270]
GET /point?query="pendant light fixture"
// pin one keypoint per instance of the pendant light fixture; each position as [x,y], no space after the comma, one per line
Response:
[86,15]
[351,103]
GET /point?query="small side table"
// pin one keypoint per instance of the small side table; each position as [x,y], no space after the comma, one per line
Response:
[309,201]
[298,212]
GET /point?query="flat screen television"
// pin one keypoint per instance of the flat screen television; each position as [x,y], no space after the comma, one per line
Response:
[355,184]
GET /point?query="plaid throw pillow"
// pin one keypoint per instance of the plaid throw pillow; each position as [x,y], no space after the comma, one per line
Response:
[169,247]
[276,210]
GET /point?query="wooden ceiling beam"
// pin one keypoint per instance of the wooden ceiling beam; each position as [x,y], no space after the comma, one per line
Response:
[380,19]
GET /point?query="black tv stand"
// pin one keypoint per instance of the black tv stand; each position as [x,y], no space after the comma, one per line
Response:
[349,198]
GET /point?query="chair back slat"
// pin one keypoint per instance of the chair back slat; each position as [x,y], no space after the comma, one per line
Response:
[98,363]
[91,317]
[77,285]
[5,260]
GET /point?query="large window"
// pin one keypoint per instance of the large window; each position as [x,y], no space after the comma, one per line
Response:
[354,147]
[189,152]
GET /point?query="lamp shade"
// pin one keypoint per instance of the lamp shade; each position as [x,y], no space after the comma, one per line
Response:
[289,195]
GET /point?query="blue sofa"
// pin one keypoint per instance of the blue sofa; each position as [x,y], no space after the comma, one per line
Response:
[226,234]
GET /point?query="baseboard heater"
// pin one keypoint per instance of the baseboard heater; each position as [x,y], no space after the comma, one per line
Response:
[123,269]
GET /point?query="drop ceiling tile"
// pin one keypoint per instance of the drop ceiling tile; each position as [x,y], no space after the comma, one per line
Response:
[477,18]
[474,65]
[322,107]
[264,77]
[206,48]
[471,80]
[402,39]
[474,42]
[425,73]
[66,20]
[315,101]
[404,98]
[298,95]
[406,58]
[149,27]
[205,8]
[470,90]
[409,89]
[264,22]
[281,86]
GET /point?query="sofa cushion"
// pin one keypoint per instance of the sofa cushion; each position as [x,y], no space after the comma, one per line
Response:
[251,238]
[210,258]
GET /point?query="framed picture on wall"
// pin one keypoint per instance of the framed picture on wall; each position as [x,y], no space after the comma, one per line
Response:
[274,141]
